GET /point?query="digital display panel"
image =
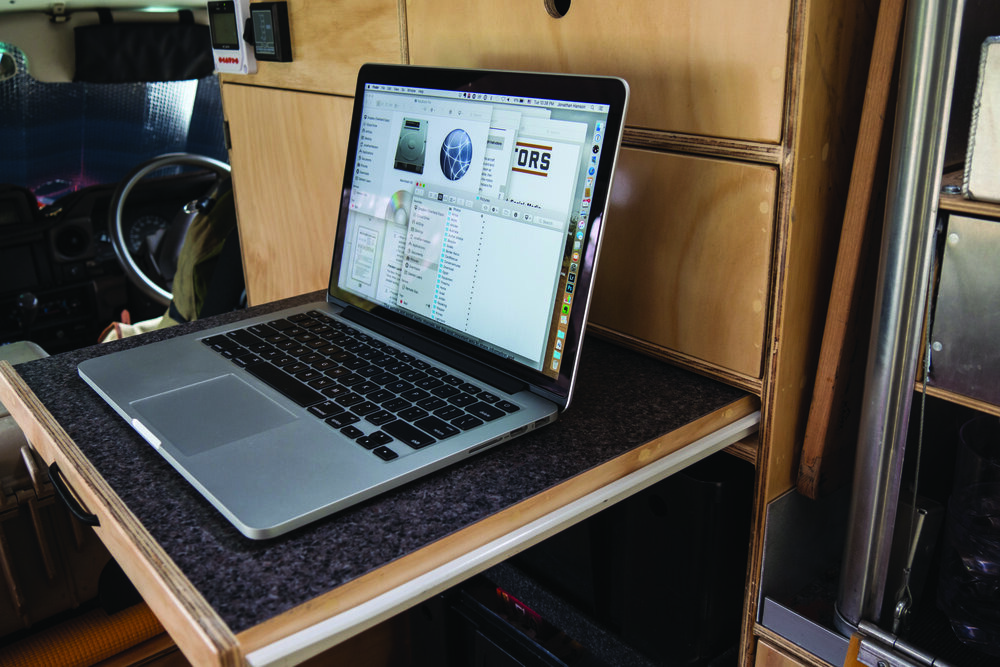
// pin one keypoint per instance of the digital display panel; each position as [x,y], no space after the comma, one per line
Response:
[222,21]
[263,32]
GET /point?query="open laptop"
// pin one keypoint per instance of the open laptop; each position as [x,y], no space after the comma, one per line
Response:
[468,234]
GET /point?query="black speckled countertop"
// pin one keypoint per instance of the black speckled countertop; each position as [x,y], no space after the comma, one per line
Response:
[623,400]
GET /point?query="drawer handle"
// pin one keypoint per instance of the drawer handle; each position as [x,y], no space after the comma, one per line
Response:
[62,490]
[556,8]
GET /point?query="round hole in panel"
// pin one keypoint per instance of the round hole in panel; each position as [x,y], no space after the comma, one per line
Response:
[556,8]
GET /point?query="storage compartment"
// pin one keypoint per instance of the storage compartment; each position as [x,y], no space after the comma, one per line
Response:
[708,68]
[664,570]
[686,258]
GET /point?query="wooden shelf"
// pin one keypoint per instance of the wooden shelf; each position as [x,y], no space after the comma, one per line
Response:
[959,399]
[957,203]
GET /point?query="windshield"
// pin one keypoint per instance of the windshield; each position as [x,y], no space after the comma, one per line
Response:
[61,137]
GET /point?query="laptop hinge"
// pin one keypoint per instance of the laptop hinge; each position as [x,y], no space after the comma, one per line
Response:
[410,339]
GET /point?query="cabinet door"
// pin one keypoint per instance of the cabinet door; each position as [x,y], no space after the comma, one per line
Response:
[710,68]
[287,155]
[330,42]
[686,258]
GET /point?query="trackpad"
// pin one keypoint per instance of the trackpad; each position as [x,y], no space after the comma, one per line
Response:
[209,414]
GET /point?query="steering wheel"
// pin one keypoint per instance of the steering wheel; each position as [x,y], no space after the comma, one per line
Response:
[133,271]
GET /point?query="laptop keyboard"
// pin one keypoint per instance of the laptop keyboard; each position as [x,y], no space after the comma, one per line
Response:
[348,379]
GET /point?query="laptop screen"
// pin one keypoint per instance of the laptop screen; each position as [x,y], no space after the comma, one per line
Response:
[471,209]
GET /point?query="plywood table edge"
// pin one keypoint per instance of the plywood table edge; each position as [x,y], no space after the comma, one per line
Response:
[363,602]
[200,633]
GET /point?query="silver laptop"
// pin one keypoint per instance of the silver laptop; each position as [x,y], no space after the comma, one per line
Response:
[467,239]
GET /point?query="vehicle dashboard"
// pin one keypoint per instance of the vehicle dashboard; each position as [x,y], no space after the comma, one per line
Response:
[60,281]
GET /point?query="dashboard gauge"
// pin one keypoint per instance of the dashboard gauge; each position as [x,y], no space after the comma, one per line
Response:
[144,227]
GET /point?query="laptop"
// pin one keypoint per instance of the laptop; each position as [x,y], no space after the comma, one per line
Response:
[468,235]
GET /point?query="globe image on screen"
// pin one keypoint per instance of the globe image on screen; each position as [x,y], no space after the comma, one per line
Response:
[456,154]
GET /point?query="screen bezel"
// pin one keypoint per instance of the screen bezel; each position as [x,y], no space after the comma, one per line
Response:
[588,89]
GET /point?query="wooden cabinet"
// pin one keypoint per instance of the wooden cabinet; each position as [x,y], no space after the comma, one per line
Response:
[708,68]
[288,167]
[726,210]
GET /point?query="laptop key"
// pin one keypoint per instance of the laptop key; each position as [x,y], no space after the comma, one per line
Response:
[326,409]
[432,403]
[246,359]
[439,429]
[343,419]
[465,422]
[380,418]
[220,343]
[347,400]
[243,337]
[380,396]
[396,404]
[281,381]
[335,390]
[507,406]
[449,412]
[445,391]
[408,434]
[462,400]
[376,439]
[414,394]
[385,453]
[321,383]
[364,408]
[485,411]
[352,432]
[412,414]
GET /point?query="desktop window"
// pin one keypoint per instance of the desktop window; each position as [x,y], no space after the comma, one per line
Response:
[469,212]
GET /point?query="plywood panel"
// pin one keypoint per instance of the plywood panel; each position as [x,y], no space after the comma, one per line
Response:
[768,656]
[287,156]
[686,258]
[330,41]
[707,68]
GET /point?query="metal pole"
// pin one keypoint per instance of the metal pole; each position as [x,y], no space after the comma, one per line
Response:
[929,52]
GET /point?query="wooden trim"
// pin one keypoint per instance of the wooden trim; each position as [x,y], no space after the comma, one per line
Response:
[453,547]
[404,35]
[194,625]
[747,151]
[842,339]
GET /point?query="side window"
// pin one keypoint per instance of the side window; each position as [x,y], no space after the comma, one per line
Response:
[60,137]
